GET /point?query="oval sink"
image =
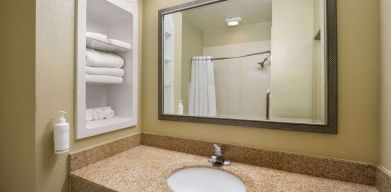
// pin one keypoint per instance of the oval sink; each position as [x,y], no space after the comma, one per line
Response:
[200,179]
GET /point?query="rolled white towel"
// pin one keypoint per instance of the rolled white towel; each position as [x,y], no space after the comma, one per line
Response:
[97,114]
[108,113]
[97,36]
[120,43]
[89,114]
[104,79]
[105,71]
[103,59]
[101,114]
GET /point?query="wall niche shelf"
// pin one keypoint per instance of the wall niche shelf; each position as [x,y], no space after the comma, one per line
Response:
[115,122]
[104,46]
[116,19]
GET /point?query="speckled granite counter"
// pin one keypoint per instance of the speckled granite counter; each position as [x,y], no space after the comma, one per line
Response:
[145,169]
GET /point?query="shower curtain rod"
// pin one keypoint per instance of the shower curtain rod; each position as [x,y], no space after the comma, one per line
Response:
[258,53]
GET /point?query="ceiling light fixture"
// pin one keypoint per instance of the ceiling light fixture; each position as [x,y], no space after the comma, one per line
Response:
[233,21]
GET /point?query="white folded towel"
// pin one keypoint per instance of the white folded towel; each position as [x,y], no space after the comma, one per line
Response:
[108,113]
[104,79]
[103,59]
[97,36]
[105,71]
[98,114]
[120,43]
[89,115]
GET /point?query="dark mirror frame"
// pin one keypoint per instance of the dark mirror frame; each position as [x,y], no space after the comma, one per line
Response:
[332,86]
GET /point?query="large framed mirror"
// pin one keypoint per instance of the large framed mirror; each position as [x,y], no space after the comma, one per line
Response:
[258,63]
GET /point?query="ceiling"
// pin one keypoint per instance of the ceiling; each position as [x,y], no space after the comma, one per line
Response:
[99,10]
[214,15]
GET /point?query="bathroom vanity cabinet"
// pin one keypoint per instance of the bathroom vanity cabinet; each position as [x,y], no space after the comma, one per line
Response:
[118,20]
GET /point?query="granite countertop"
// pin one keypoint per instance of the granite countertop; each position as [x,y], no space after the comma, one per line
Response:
[145,169]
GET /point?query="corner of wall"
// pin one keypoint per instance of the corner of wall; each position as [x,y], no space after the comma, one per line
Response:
[17,95]
[385,82]
[55,72]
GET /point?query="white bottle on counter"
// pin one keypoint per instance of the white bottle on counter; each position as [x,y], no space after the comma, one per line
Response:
[180,108]
[61,135]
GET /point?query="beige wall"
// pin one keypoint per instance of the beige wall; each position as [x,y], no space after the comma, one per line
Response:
[17,95]
[292,65]
[177,60]
[192,45]
[318,60]
[55,91]
[358,48]
[385,102]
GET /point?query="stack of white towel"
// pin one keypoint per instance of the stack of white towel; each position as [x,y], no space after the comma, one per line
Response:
[104,67]
[101,113]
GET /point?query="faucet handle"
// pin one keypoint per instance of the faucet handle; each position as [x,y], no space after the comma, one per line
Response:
[217,149]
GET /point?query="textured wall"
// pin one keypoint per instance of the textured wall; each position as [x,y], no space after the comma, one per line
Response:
[191,46]
[55,91]
[17,95]
[385,102]
[358,48]
[292,65]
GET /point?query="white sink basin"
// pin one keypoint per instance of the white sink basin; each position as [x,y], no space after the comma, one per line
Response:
[199,179]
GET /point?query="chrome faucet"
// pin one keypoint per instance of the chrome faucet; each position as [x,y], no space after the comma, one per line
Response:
[218,159]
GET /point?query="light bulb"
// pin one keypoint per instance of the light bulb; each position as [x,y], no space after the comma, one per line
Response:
[233,21]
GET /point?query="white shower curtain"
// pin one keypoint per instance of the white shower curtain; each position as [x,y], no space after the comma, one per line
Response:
[202,94]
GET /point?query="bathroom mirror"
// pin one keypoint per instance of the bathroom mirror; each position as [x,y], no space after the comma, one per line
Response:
[258,63]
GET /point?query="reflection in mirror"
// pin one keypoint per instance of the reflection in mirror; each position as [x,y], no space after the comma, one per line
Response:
[246,59]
